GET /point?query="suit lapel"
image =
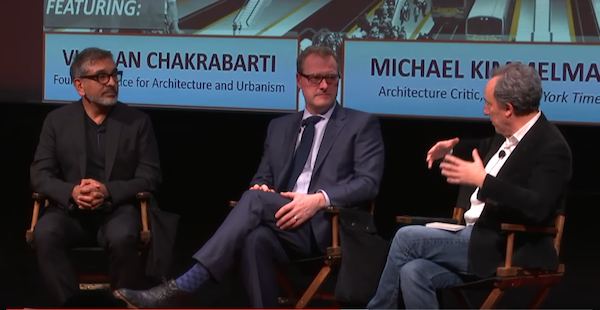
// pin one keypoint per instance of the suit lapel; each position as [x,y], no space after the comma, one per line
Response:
[334,127]
[495,145]
[113,134]
[80,138]
[289,145]
[514,161]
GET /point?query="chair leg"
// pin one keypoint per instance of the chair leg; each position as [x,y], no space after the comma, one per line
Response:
[460,297]
[285,284]
[540,295]
[493,299]
[314,286]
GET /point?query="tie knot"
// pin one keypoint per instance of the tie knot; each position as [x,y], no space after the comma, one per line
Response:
[311,120]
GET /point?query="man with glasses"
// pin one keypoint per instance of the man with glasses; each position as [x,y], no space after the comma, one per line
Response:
[93,156]
[520,176]
[324,156]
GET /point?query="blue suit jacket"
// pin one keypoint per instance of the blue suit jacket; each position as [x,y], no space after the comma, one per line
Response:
[349,165]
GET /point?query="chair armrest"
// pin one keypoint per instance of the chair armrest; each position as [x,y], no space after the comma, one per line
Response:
[421,220]
[143,195]
[532,229]
[39,196]
[39,201]
[334,251]
[145,234]
[332,210]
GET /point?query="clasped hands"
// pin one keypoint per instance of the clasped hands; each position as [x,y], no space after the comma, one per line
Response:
[89,194]
[456,170]
[299,210]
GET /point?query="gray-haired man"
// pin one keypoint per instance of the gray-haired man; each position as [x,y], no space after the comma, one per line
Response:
[517,176]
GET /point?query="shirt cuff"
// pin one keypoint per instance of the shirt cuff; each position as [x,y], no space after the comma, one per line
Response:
[327,201]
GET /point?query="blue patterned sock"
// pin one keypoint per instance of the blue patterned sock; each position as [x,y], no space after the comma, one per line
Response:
[193,279]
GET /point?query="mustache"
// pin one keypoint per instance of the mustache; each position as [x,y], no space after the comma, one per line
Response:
[110,90]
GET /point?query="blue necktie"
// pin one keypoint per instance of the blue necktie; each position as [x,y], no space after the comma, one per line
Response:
[299,160]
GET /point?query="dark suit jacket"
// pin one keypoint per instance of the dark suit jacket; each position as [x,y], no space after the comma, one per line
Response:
[131,164]
[528,190]
[349,165]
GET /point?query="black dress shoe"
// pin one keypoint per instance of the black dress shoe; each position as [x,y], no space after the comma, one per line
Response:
[165,295]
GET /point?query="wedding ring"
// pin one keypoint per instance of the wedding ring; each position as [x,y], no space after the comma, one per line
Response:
[296,218]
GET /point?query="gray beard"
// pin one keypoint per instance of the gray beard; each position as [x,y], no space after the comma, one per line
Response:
[103,101]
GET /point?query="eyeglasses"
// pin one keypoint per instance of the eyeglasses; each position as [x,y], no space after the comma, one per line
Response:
[104,78]
[317,79]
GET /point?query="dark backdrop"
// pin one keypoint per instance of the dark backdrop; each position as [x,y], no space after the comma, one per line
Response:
[214,154]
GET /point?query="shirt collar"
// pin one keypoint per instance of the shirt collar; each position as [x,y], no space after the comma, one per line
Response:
[518,136]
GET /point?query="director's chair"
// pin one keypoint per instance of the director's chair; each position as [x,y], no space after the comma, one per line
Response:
[330,262]
[92,280]
[507,276]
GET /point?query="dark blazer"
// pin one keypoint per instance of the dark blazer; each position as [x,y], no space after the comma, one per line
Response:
[349,165]
[132,164]
[528,190]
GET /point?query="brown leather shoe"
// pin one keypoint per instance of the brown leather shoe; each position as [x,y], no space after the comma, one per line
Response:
[165,295]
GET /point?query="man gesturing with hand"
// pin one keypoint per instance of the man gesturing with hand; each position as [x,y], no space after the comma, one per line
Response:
[439,150]
[519,176]
[456,170]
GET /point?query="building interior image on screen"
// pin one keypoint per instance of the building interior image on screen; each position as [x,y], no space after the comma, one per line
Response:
[458,20]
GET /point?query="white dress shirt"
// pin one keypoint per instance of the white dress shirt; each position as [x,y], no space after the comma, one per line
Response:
[303,181]
[494,165]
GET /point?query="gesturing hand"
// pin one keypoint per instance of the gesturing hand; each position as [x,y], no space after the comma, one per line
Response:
[458,171]
[439,150]
[299,210]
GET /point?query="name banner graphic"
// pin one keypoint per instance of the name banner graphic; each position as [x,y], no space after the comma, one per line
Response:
[211,72]
[427,78]
[110,14]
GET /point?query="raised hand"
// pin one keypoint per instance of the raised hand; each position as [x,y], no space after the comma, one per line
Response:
[439,150]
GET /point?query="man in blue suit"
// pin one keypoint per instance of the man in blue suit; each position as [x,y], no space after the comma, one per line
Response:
[326,155]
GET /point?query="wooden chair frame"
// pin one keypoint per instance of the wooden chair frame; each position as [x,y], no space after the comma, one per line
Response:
[331,260]
[507,276]
[92,281]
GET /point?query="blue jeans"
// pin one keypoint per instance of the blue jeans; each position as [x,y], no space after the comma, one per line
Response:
[420,261]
